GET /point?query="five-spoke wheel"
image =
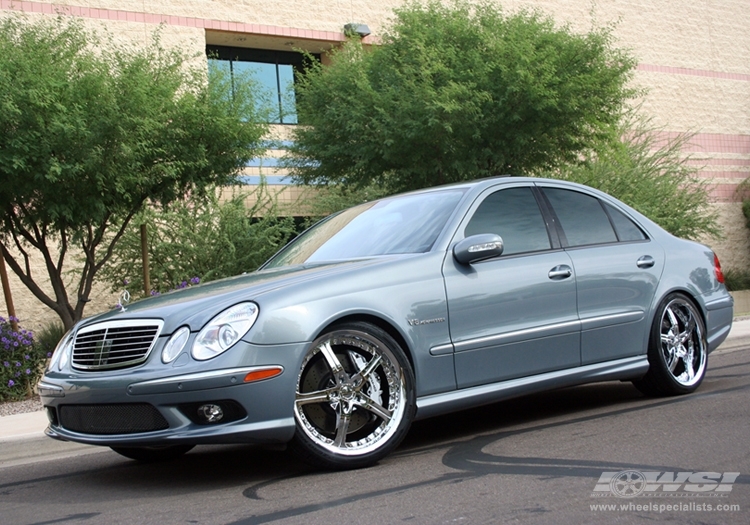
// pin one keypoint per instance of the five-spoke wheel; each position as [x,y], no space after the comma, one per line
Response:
[355,398]
[677,351]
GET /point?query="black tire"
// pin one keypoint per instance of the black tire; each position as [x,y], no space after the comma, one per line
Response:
[153,454]
[355,398]
[677,350]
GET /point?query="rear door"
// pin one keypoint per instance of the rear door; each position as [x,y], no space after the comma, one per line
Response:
[513,315]
[617,269]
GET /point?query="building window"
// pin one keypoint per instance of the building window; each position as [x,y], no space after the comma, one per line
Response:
[275,72]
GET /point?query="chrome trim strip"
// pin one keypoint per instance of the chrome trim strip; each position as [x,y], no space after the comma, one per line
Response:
[124,323]
[622,369]
[198,380]
[593,323]
[442,349]
[519,335]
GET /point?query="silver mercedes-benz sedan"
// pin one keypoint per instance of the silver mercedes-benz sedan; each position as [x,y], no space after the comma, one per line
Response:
[395,310]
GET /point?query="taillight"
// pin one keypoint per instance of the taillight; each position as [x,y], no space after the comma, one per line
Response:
[717,269]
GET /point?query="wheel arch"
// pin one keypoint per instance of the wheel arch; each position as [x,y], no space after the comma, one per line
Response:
[659,299]
[381,323]
[691,296]
[660,378]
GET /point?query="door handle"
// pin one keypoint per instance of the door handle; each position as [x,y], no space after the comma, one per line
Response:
[645,262]
[560,272]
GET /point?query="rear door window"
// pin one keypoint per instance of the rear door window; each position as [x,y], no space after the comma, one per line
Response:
[582,217]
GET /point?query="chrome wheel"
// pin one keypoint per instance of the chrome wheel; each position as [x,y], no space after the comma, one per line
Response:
[683,344]
[678,351]
[354,399]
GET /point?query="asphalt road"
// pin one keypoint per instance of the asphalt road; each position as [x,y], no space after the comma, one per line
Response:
[539,459]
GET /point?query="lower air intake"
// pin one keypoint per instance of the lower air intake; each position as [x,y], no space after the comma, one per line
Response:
[112,419]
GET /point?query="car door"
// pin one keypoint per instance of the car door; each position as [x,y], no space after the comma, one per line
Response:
[513,315]
[617,271]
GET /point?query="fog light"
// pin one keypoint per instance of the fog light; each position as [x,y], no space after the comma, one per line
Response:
[210,413]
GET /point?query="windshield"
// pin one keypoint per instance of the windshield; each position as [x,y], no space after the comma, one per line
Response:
[405,224]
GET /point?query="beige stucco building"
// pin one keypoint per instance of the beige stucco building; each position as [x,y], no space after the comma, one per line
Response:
[694,62]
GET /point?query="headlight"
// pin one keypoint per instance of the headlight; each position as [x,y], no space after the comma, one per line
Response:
[224,330]
[62,351]
[175,344]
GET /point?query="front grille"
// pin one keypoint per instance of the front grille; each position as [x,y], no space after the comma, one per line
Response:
[112,419]
[114,344]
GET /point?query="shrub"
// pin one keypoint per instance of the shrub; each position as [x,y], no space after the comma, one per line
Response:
[209,237]
[22,361]
[737,279]
[651,175]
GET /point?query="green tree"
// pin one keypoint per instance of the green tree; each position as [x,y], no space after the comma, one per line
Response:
[207,238]
[458,92]
[89,132]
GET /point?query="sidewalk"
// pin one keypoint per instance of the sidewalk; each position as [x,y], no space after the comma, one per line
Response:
[32,424]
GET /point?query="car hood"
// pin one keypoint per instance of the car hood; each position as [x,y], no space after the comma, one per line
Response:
[196,305]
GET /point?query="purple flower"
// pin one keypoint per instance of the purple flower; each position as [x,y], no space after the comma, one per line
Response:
[11,383]
[6,363]
[27,357]
[18,364]
[195,280]
[49,354]
[183,284]
[28,372]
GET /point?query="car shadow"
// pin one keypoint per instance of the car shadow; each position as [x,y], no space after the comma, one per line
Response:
[229,465]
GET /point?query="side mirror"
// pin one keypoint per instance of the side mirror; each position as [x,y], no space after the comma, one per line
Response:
[477,248]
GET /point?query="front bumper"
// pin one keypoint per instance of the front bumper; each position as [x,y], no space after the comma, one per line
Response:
[119,408]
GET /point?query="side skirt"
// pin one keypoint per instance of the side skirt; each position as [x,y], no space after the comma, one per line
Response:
[455,400]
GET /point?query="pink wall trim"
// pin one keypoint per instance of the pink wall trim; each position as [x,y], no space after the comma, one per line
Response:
[725,193]
[693,72]
[735,175]
[738,146]
[712,143]
[149,18]
[719,162]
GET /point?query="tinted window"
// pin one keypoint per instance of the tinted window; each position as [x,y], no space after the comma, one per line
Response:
[406,224]
[514,215]
[274,71]
[581,216]
[626,229]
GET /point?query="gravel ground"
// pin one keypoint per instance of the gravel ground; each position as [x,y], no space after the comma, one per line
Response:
[20,407]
